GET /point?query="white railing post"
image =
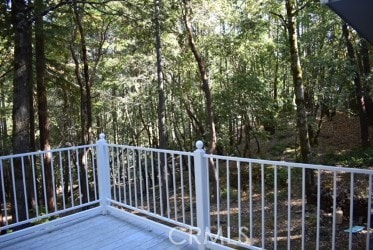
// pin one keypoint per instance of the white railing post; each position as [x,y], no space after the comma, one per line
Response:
[103,172]
[202,194]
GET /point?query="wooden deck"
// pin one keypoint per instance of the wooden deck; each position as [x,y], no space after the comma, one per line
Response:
[98,232]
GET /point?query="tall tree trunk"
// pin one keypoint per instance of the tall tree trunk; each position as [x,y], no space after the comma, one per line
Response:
[367,81]
[83,78]
[85,82]
[162,129]
[163,141]
[206,88]
[22,84]
[43,115]
[364,131]
[296,69]
[29,176]
[4,150]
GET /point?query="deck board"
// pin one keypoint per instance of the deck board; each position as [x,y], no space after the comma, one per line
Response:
[99,232]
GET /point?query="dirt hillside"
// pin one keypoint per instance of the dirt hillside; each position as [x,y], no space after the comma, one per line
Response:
[339,134]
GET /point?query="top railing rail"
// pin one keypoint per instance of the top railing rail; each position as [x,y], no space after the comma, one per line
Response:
[41,152]
[293,164]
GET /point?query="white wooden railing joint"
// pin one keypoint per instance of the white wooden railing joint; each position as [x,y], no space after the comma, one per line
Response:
[103,172]
[202,194]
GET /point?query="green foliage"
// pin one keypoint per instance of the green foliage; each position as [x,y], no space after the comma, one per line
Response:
[282,177]
[357,158]
[244,44]
[233,194]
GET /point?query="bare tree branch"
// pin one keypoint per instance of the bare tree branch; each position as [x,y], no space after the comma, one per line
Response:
[6,72]
[282,18]
[68,2]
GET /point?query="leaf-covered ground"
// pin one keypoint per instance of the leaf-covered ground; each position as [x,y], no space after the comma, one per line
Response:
[337,144]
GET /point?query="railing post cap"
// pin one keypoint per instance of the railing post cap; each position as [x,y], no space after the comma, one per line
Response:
[199,144]
[102,136]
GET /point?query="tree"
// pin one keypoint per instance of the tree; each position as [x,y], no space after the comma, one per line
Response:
[367,81]
[206,88]
[43,113]
[22,97]
[162,129]
[83,75]
[360,96]
[6,70]
[301,117]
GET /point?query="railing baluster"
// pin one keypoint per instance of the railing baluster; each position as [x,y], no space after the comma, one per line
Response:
[289,207]
[217,188]
[369,212]
[318,209]
[239,198]
[134,175]
[160,184]
[228,201]
[147,181]
[190,192]
[53,181]
[275,208]
[2,170]
[44,184]
[86,172]
[129,177]
[351,210]
[113,169]
[14,189]
[77,160]
[334,208]
[71,179]
[124,174]
[303,206]
[165,167]
[251,201]
[182,187]
[118,174]
[153,181]
[24,187]
[34,177]
[263,204]
[141,180]
[62,182]
[94,170]
[174,185]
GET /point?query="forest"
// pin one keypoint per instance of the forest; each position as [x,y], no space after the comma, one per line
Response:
[164,74]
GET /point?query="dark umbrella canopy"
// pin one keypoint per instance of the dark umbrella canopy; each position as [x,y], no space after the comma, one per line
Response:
[357,13]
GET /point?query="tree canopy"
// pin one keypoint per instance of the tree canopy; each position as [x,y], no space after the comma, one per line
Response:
[224,69]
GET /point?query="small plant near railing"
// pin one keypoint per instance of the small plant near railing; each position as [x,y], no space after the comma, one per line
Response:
[42,212]
[233,194]
[282,176]
[312,220]
[41,221]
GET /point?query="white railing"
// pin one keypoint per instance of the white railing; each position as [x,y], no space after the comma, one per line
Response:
[263,204]
[242,203]
[136,183]
[70,173]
